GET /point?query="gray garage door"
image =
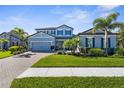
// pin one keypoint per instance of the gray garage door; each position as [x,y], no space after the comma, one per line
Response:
[41,46]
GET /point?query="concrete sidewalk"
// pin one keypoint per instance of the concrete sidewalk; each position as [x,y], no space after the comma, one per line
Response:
[83,72]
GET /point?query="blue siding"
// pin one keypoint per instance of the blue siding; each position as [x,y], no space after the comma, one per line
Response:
[41,42]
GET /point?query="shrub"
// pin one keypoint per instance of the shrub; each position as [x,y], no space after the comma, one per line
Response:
[111,51]
[77,54]
[69,53]
[17,49]
[14,49]
[95,52]
[60,52]
[120,51]
[82,50]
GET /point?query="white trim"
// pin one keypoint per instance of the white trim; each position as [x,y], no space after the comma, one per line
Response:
[97,35]
[43,37]
[40,41]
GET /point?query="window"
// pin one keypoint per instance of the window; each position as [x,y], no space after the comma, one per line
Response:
[17,43]
[90,42]
[103,43]
[53,32]
[59,32]
[67,32]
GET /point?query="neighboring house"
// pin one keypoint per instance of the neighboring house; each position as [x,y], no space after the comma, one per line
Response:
[90,39]
[48,39]
[13,39]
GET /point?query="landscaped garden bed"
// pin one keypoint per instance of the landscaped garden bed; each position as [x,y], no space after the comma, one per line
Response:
[69,82]
[75,61]
[4,54]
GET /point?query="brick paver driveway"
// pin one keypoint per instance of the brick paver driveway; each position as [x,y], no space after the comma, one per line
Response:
[13,66]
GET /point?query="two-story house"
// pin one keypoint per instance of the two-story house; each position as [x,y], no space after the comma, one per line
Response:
[13,39]
[51,38]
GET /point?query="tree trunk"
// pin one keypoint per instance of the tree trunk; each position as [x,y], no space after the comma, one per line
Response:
[106,43]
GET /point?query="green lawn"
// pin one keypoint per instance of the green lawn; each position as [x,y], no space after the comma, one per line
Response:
[69,82]
[74,61]
[5,54]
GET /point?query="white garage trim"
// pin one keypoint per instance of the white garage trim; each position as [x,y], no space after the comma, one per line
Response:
[43,37]
[39,41]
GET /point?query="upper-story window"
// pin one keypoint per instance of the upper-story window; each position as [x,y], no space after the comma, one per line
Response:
[52,32]
[59,32]
[67,32]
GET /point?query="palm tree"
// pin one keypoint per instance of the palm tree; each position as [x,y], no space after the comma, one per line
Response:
[107,25]
[21,33]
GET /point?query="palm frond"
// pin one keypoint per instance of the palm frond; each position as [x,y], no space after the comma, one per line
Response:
[99,20]
[112,17]
[99,27]
[116,25]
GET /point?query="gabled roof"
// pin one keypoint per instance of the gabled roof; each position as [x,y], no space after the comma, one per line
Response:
[52,28]
[65,25]
[37,33]
[11,34]
[91,32]
[3,33]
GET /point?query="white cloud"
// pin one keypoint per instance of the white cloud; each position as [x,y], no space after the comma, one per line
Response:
[75,16]
[107,7]
[105,14]
[57,10]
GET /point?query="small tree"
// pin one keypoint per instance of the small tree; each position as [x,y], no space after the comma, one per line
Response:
[121,38]
[66,44]
[71,44]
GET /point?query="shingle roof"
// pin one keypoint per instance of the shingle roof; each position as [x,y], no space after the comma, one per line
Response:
[48,28]
[2,33]
[51,28]
[12,34]
[37,33]
[90,32]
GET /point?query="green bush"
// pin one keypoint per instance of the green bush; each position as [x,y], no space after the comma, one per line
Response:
[14,49]
[17,49]
[95,52]
[111,51]
[120,51]
[82,50]
[69,53]
[60,52]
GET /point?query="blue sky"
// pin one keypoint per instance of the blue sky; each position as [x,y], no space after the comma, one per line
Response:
[31,17]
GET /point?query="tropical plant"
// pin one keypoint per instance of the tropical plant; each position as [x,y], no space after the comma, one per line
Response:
[95,52]
[121,38]
[107,25]
[120,51]
[3,41]
[14,49]
[71,44]
[21,33]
